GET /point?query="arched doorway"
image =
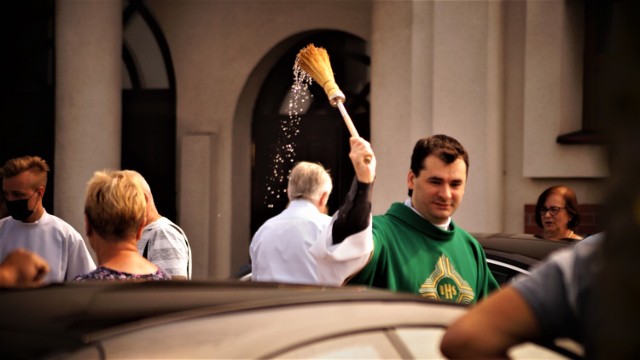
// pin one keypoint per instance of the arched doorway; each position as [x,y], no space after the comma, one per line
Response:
[322,135]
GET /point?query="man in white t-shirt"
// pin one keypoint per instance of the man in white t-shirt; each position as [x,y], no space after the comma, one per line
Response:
[30,227]
[163,242]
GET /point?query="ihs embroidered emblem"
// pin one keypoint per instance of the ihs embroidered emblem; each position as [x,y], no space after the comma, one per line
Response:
[446,284]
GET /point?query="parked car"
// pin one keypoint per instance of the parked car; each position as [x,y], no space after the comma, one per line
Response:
[234,319]
[509,255]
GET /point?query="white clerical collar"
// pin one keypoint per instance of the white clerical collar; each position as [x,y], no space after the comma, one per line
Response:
[444,226]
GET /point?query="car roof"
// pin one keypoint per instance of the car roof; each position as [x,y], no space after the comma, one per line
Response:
[523,245]
[63,317]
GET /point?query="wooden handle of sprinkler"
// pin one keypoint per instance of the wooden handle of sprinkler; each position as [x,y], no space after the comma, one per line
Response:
[347,119]
[350,126]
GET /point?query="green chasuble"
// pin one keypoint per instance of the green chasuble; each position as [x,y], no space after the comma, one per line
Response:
[412,255]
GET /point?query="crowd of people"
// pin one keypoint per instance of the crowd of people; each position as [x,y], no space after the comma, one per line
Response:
[414,247]
[130,238]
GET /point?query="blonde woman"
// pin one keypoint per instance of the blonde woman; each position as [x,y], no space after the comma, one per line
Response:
[115,209]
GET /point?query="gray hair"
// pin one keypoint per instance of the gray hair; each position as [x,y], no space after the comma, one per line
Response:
[308,181]
[137,177]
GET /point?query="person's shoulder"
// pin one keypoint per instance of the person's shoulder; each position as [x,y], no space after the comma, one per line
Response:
[4,221]
[164,221]
[100,273]
[60,225]
[164,231]
[396,209]
[593,239]
[322,219]
[589,245]
[380,220]
[463,233]
[52,219]
[166,225]
[161,222]
[160,275]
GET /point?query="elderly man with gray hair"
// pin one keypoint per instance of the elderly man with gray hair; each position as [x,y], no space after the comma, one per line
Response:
[280,248]
[163,242]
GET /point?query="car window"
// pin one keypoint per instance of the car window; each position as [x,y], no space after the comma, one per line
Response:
[370,345]
[503,272]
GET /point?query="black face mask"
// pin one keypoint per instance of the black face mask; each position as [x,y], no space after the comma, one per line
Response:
[19,209]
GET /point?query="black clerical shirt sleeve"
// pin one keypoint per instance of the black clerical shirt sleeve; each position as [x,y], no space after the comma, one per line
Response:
[353,216]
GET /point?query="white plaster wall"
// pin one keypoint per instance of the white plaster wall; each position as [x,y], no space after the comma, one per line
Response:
[521,188]
[553,93]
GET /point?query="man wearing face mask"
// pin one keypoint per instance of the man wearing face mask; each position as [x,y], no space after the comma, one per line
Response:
[29,226]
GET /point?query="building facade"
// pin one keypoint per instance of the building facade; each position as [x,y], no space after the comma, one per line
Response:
[503,77]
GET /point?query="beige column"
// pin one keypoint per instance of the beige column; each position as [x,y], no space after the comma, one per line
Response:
[199,171]
[401,92]
[88,36]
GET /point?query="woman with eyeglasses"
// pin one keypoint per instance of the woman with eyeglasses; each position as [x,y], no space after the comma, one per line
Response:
[557,213]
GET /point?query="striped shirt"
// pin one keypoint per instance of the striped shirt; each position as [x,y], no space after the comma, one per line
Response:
[166,245]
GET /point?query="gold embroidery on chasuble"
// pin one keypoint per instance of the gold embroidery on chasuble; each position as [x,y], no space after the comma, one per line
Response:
[446,284]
